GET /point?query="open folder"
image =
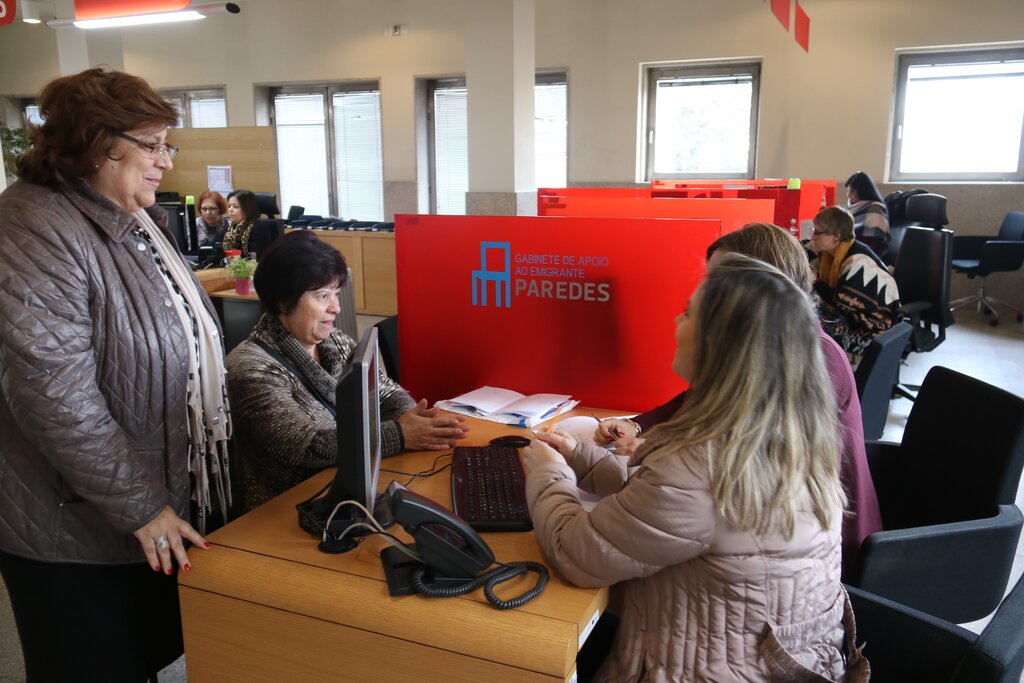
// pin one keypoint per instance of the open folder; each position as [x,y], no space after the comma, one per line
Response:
[509,407]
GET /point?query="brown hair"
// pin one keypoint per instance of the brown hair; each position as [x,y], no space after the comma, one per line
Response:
[83,113]
[218,199]
[835,220]
[771,244]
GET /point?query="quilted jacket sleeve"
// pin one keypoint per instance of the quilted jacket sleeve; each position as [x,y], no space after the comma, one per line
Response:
[48,371]
[664,515]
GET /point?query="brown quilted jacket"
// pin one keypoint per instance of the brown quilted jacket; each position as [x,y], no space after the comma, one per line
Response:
[698,599]
[93,368]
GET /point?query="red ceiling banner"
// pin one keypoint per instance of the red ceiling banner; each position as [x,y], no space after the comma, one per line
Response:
[8,9]
[802,28]
[100,9]
[780,8]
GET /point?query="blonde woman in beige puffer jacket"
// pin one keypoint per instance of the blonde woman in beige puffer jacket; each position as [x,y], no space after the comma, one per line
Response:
[721,534]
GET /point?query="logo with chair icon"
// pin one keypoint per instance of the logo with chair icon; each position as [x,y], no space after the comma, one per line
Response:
[496,282]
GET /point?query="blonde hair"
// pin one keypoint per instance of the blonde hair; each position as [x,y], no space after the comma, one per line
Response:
[771,244]
[760,411]
[835,220]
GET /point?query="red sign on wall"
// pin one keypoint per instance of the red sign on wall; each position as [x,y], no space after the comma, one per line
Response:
[8,8]
[581,306]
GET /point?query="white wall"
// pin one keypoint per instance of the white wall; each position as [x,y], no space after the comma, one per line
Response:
[823,113]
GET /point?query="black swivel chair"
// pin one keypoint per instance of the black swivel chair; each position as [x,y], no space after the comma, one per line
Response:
[877,374]
[922,276]
[980,256]
[268,229]
[294,212]
[387,339]
[903,644]
[947,497]
[921,209]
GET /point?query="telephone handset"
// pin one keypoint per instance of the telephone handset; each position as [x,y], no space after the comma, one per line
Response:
[454,556]
[447,544]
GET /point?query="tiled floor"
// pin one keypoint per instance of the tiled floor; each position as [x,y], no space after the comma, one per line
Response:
[995,355]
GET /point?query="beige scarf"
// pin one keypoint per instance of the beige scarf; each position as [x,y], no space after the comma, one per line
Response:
[209,422]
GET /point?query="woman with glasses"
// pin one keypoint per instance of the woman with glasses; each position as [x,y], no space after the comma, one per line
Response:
[859,298]
[112,397]
[212,221]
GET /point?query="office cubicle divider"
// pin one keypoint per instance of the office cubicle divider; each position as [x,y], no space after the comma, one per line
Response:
[582,306]
[732,213]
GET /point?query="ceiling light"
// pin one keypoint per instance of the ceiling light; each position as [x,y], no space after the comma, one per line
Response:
[192,14]
[30,12]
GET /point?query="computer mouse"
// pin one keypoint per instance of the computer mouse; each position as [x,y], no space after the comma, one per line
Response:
[513,440]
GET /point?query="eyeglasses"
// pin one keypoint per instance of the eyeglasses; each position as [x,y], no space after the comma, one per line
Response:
[153,148]
[815,233]
[209,209]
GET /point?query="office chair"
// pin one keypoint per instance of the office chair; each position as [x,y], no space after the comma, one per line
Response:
[903,644]
[294,212]
[922,276]
[946,494]
[917,208]
[346,320]
[980,256]
[268,204]
[387,340]
[877,375]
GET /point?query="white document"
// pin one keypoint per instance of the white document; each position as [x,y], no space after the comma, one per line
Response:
[509,407]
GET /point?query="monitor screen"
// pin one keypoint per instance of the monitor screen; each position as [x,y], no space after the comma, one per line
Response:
[358,427]
[176,224]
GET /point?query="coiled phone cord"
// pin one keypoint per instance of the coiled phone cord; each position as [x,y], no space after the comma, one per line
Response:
[500,574]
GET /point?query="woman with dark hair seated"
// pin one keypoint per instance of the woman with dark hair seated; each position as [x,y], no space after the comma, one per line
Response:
[283,411]
[247,233]
[870,215]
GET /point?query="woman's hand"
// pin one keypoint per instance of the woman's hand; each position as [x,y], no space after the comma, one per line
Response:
[426,429]
[563,442]
[618,432]
[539,452]
[163,541]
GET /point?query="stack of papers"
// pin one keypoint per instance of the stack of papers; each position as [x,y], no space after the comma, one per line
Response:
[509,407]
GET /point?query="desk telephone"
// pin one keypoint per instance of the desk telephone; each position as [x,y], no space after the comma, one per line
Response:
[453,559]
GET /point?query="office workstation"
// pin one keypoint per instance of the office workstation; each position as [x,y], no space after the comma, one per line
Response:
[821,112]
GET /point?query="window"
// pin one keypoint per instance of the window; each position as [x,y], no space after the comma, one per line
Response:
[198,108]
[32,115]
[959,116]
[449,167]
[701,120]
[329,150]
[449,146]
[550,130]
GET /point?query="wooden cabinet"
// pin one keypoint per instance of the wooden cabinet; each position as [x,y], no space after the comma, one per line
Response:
[371,256]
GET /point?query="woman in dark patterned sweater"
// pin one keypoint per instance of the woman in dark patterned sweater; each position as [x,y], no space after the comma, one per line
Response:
[284,432]
[859,298]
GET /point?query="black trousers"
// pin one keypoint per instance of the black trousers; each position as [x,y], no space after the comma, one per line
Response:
[85,622]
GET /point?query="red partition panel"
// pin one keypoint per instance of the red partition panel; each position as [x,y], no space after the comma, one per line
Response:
[733,213]
[582,306]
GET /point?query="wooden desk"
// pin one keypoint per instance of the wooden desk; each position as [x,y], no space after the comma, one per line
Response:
[371,256]
[214,279]
[263,604]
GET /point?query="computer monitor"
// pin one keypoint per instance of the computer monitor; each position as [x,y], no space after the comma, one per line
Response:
[176,224]
[357,401]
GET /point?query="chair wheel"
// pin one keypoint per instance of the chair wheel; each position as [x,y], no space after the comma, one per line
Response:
[986,310]
[994,322]
[1020,317]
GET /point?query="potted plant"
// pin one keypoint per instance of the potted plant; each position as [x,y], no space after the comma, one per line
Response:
[14,142]
[241,270]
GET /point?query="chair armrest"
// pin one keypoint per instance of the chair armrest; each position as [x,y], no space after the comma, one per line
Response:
[955,571]
[904,644]
[969,246]
[1002,256]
